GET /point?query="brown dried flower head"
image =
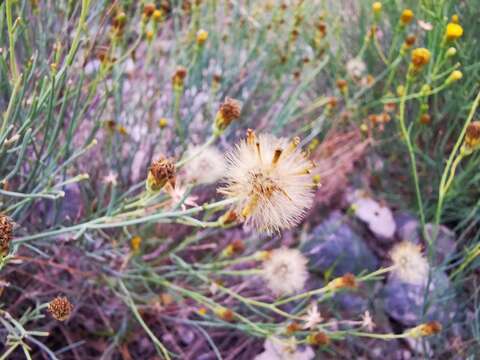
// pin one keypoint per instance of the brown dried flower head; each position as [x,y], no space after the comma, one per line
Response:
[60,308]
[178,77]
[229,111]
[318,338]
[472,136]
[420,58]
[149,9]
[160,173]
[225,314]
[427,329]
[6,231]
[346,281]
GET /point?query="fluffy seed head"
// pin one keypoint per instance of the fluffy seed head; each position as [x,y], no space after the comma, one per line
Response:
[207,165]
[60,308]
[356,68]
[409,263]
[271,180]
[6,231]
[285,272]
[160,173]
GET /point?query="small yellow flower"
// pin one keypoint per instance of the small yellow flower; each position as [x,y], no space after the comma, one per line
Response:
[420,58]
[202,36]
[453,32]
[149,35]
[377,7]
[406,17]
[202,311]
[135,243]
[163,123]
[455,19]
[157,15]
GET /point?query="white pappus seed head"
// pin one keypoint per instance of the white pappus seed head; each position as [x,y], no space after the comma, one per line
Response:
[285,272]
[272,181]
[409,263]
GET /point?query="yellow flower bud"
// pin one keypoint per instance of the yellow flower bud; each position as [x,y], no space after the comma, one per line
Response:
[454,76]
[451,51]
[135,243]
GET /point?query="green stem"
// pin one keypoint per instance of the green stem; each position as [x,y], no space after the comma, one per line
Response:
[11,41]
[411,153]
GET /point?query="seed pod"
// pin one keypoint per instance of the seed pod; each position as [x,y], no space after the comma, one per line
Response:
[60,308]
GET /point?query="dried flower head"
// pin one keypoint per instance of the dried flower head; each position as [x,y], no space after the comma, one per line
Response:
[229,111]
[409,263]
[410,40]
[6,231]
[318,338]
[271,180]
[453,32]
[285,271]
[178,77]
[406,17]
[161,172]
[60,308]
[422,330]
[148,9]
[472,136]
[347,281]
[420,58]
[225,314]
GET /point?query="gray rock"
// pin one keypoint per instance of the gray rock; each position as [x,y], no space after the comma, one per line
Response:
[444,242]
[404,302]
[334,246]
[408,227]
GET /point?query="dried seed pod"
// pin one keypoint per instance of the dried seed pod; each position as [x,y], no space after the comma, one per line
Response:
[60,308]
